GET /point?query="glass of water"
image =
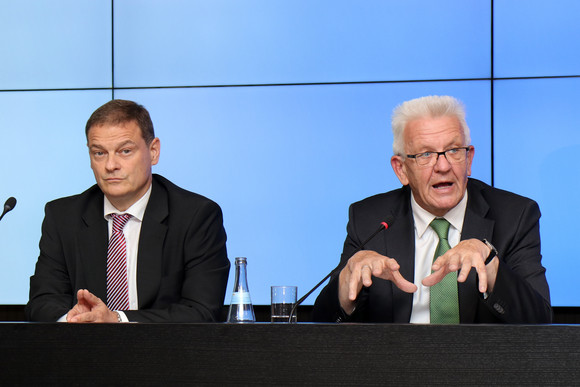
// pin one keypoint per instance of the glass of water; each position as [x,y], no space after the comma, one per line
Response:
[283,300]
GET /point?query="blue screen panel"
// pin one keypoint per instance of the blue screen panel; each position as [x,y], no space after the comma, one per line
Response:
[44,157]
[180,43]
[55,44]
[536,38]
[284,163]
[536,143]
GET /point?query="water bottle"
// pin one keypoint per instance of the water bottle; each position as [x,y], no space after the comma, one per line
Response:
[241,309]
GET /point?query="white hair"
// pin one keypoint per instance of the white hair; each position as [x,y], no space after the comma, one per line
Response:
[430,106]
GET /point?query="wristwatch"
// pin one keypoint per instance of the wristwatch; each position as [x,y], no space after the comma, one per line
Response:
[492,253]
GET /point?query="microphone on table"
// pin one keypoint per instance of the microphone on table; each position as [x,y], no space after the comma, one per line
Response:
[389,220]
[8,206]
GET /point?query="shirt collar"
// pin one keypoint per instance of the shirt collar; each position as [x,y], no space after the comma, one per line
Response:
[137,210]
[423,217]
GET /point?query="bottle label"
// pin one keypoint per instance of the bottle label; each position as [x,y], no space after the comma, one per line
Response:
[241,298]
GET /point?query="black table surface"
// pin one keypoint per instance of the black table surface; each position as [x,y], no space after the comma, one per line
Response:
[289,354]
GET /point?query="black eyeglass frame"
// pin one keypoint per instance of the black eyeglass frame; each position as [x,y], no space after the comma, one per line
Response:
[467,148]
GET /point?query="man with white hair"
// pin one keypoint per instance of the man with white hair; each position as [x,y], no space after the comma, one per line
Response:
[458,251]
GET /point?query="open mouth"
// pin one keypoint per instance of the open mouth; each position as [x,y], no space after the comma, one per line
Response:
[442,185]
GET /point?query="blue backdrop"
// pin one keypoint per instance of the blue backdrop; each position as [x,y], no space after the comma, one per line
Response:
[280,112]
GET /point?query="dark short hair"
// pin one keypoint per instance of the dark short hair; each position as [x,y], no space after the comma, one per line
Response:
[120,111]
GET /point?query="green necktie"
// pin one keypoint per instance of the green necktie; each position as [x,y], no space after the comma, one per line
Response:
[444,301]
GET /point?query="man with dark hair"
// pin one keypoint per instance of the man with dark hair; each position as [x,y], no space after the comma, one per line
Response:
[134,247]
[459,251]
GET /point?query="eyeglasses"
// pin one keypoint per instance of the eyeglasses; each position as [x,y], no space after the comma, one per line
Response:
[453,156]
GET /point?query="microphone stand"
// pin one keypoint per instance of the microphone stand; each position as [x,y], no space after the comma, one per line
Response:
[384,225]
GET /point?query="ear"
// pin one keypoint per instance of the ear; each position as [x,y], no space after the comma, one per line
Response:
[400,169]
[155,150]
[470,155]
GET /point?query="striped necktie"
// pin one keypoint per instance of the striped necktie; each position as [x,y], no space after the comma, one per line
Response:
[117,281]
[444,300]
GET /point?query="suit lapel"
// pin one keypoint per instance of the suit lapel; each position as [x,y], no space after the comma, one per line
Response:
[151,242]
[475,225]
[93,242]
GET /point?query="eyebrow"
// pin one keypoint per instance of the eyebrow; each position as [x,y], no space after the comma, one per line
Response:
[451,145]
[123,144]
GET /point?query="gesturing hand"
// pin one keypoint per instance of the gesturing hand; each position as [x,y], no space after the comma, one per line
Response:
[467,254]
[358,272]
[90,308]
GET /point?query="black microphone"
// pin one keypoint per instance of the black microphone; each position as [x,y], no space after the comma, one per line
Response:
[389,220]
[8,206]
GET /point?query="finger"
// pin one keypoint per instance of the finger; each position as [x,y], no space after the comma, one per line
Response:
[454,262]
[354,284]
[434,278]
[482,273]
[366,273]
[465,269]
[344,291]
[387,270]
[403,284]
[393,265]
[91,298]
[81,297]
[354,291]
[83,318]
[440,262]
[71,314]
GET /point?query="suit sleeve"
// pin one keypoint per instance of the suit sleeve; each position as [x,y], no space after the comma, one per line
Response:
[51,294]
[205,268]
[521,294]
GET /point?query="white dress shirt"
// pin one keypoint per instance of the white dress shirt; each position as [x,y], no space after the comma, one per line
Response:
[426,241]
[132,230]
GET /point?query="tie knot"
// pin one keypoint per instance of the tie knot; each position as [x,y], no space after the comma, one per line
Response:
[119,221]
[441,227]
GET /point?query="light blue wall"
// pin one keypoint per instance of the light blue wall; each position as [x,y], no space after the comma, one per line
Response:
[279,111]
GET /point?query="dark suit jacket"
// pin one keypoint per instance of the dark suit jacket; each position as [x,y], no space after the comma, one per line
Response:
[182,265]
[510,222]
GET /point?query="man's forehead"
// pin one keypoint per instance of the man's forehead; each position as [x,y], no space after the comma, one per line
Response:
[115,125]
[430,121]
[428,129]
[114,133]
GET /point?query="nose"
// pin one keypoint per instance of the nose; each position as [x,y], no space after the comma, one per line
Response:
[442,164]
[112,164]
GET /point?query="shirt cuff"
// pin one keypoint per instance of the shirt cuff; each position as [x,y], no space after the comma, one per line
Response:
[123,316]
